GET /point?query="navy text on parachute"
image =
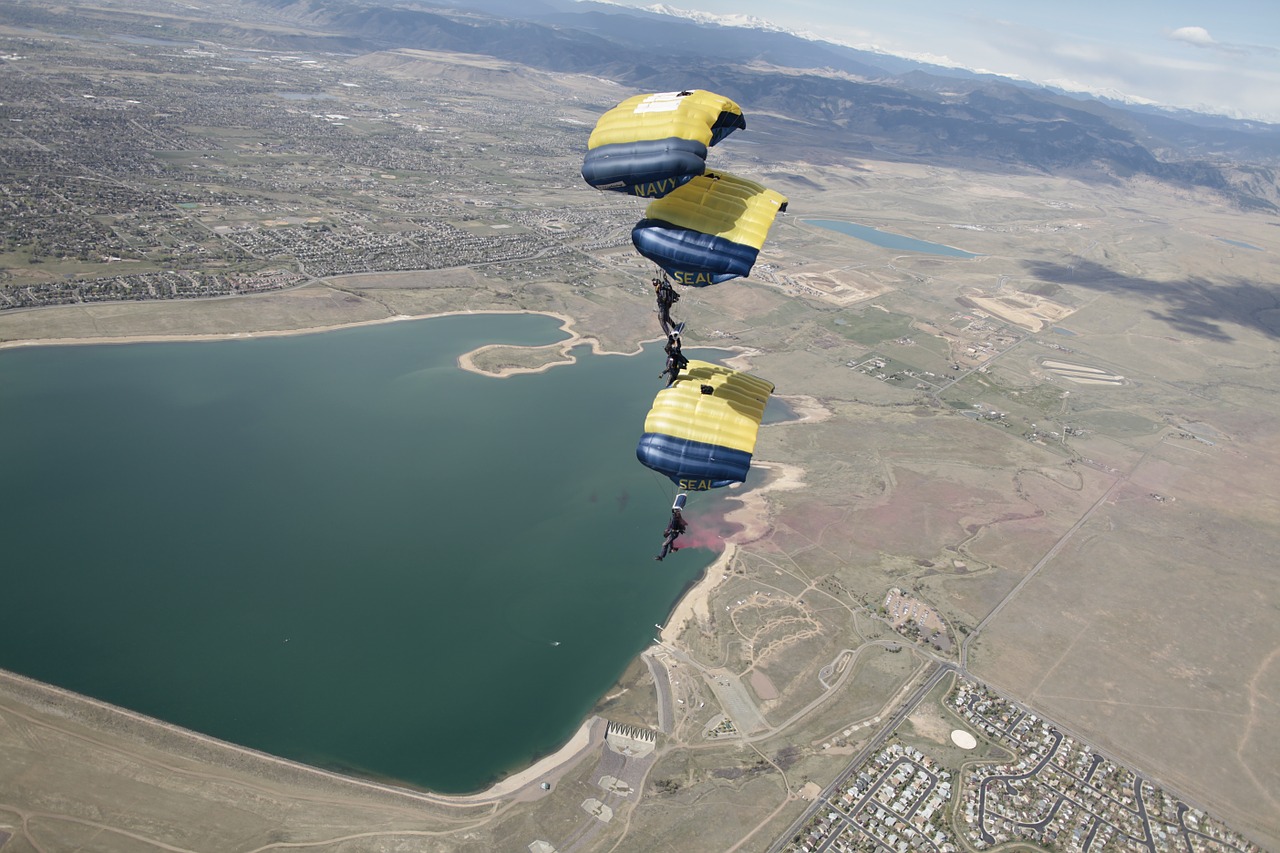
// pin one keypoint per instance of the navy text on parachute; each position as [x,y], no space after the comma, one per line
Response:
[649,145]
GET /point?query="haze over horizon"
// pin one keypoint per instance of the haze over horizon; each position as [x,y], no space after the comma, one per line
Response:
[1221,59]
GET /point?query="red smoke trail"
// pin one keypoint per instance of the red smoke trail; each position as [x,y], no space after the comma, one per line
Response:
[708,531]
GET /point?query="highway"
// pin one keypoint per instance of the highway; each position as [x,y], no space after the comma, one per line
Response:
[939,672]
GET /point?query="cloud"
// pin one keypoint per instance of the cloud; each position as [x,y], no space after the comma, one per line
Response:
[1218,77]
[1197,36]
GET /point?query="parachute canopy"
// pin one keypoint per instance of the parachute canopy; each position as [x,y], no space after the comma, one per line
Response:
[701,430]
[650,144]
[709,230]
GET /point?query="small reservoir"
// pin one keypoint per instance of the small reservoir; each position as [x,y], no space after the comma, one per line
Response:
[889,240]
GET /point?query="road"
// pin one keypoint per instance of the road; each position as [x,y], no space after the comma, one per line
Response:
[1121,480]
[1035,570]
[917,696]
[662,683]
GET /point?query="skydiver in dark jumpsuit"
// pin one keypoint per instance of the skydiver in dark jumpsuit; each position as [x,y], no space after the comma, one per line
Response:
[675,527]
[676,360]
[667,297]
[672,372]
[672,349]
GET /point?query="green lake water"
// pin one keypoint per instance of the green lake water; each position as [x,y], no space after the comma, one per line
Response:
[339,548]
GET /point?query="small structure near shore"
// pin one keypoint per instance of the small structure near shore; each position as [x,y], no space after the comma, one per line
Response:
[631,741]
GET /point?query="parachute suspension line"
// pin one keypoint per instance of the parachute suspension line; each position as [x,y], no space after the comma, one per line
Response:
[662,484]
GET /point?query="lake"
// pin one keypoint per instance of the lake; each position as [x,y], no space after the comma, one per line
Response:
[888,240]
[339,548]
[1239,244]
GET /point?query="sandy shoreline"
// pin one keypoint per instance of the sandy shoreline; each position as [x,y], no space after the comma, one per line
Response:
[226,336]
[751,515]
[466,361]
[126,726]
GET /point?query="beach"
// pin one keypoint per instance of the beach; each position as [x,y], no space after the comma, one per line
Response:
[752,516]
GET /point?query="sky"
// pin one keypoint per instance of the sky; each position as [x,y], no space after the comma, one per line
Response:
[1216,56]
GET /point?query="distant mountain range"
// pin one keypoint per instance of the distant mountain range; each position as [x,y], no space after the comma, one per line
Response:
[841,100]
[853,101]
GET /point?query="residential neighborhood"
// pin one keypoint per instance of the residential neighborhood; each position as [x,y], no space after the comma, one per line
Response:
[1054,792]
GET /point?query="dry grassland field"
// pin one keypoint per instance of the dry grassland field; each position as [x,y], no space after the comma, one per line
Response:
[1066,446]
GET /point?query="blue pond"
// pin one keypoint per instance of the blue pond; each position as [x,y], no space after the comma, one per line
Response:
[1239,244]
[888,240]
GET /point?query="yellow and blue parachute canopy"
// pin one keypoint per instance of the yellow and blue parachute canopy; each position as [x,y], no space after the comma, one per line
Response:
[709,230]
[650,144]
[701,431]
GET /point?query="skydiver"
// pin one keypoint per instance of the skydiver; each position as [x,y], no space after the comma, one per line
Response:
[667,297]
[675,527]
[676,360]
[672,350]
[672,371]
